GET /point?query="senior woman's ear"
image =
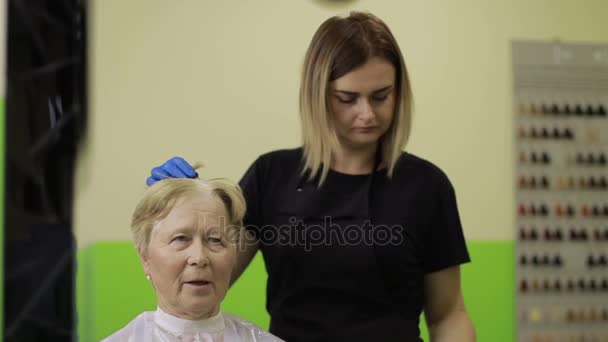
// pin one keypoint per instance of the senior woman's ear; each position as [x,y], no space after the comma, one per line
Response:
[143,258]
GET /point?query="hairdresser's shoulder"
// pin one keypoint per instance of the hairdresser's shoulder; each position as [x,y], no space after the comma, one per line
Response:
[280,158]
[411,165]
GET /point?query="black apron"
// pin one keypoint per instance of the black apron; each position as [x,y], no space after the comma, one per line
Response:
[335,284]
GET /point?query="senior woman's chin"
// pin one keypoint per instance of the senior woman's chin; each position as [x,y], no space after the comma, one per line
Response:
[200,296]
[199,309]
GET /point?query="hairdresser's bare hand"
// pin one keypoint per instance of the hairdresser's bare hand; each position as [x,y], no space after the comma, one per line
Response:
[175,167]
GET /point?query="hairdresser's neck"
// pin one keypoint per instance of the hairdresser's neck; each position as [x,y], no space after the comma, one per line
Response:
[354,160]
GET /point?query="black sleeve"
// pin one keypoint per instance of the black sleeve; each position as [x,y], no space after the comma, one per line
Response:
[251,184]
[445,245]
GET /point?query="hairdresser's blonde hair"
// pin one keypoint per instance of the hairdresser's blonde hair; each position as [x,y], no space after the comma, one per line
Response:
[161,198]
[339,46]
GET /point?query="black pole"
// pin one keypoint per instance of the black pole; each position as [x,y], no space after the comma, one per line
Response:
[45,119]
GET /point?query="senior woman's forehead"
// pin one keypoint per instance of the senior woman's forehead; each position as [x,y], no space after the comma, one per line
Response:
[195,212]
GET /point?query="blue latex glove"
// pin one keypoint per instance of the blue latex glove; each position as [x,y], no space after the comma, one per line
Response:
[175,167]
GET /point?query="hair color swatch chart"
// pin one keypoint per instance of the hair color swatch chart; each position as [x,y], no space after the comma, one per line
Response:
[561,178]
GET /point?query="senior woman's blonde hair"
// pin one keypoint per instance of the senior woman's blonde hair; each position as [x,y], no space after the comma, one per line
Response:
[163,195]
[339,46]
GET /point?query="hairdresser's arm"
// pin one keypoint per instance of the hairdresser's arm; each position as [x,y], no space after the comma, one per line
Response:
[446,316]
[246,252]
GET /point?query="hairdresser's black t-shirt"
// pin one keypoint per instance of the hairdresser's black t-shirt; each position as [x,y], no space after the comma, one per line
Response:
[346,261]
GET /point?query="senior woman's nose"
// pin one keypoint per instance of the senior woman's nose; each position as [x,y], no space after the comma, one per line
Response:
[198,255]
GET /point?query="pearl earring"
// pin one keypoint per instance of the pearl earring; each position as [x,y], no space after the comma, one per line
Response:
[148,277]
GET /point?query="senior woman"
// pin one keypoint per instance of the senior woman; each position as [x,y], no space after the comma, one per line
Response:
[186,233]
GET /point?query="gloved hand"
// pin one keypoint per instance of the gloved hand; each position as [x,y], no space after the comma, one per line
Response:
[175,167]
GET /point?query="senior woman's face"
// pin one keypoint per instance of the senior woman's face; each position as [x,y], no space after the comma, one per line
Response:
[190,258]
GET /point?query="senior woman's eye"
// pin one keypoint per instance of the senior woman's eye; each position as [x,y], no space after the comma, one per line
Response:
[180,238]
[218,241]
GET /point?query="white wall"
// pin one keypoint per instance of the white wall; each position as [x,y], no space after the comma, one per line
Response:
[217,81]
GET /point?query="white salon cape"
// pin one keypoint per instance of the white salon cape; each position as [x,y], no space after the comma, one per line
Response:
[156,326]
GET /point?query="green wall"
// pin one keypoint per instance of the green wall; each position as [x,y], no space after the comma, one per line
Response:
[112,290]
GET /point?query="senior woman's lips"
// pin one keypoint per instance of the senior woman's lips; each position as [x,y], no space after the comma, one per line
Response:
[198,284]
